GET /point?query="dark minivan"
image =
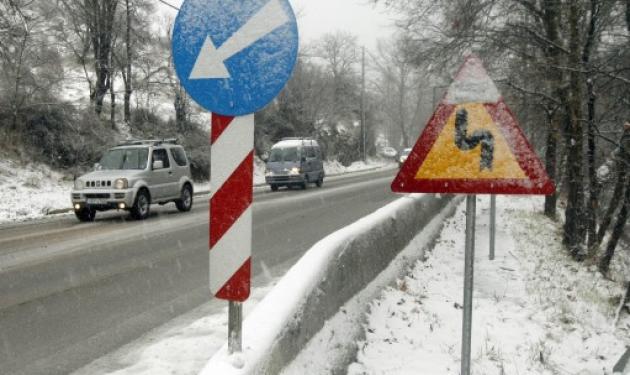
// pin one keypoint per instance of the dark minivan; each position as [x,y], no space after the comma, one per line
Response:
[294,162]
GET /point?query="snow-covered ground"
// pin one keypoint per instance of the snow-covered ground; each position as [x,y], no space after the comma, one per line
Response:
[33,190]
[535,310]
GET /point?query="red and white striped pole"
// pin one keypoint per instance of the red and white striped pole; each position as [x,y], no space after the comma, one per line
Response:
[231,185]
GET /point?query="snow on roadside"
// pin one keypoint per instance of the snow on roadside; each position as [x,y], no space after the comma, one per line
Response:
[179,347]
[336,168]
[30,191]
[535,310]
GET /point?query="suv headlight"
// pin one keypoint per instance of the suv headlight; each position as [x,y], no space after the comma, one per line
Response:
[268,172]
[121,183]
[78,184]
[294,171]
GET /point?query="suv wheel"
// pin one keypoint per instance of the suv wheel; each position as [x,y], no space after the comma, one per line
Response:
[274,187]
[140,209]
[184,204]
[86,214]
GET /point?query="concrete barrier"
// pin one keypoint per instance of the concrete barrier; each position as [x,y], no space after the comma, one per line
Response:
[327,276]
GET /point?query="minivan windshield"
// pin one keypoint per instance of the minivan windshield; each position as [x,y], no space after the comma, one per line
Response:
[125,158]
[284,154]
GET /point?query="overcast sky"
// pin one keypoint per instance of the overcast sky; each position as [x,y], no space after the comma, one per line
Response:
[317,17]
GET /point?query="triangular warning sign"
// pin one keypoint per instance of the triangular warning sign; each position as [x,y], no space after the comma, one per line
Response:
[473,145]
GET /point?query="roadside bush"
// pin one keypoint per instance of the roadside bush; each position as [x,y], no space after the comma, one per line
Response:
[64,138]
[146,125]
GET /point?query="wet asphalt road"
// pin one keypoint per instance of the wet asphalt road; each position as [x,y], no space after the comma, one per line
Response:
[72,292]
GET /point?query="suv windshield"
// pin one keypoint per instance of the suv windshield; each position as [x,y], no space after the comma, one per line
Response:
[284,154]
[125,158]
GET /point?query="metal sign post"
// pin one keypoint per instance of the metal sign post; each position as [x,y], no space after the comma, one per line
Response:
[493,223]
[233,58]
[469,263]
[235,327]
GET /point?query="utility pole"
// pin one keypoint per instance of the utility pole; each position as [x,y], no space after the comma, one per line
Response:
[363,125]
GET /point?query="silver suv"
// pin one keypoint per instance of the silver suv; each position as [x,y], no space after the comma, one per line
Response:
[132,176]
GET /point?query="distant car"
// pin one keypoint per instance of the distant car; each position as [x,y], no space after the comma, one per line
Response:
[294,162]
[404,154]
[132,176]
[389,152]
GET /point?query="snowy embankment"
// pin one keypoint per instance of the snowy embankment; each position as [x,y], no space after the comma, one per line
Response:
[358,260]
[33,191]
[535,310]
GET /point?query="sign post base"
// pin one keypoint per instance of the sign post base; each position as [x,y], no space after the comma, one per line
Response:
[235,327]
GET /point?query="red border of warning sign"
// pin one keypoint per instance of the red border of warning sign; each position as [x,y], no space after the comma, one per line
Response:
[538,181]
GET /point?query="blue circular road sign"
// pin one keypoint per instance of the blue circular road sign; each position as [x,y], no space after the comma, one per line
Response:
[234,57]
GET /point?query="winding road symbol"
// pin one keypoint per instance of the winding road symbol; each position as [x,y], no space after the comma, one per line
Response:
[465,143]
[210,63]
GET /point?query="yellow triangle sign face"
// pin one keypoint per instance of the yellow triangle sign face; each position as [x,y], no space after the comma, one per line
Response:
[448,161]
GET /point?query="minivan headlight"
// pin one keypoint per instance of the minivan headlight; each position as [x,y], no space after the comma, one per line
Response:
[294,171]
[78,184]
[121,183]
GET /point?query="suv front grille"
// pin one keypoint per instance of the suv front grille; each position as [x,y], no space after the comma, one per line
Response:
[98,184]
[98,196]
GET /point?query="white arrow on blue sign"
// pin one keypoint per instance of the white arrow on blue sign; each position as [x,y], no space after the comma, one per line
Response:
[234,57]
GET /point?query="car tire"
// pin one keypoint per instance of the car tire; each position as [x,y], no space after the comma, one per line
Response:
[86,214]
[141,206]
[274,187]
[320,181]
[184,204]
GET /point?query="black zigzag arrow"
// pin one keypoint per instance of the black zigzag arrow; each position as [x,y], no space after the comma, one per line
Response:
[465,143]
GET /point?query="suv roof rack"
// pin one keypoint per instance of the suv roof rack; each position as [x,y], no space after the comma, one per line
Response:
[153,142]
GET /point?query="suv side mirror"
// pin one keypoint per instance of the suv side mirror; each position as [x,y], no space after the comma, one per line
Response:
[158,164]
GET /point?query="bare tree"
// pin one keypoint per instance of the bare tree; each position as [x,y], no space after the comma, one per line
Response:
[96,19]
[29,67]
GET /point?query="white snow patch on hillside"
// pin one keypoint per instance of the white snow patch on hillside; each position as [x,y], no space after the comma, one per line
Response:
[31,191]
[535,311]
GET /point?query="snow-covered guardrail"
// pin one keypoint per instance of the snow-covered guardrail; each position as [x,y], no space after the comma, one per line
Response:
[323,280]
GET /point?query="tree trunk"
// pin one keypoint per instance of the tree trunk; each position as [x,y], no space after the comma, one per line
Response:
[594,187]
[112,98]
[180,108]
[574,225]
[604,263]
[101,15]
[554,79]
[623,161]
[550,163]
[127,80]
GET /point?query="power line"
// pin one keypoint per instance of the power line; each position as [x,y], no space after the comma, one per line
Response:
[169,5]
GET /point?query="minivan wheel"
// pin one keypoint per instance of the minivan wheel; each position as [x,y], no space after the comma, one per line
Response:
[85,214]
[140,209]
[184,204]
[303,185]
[320,181]
[274,187]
